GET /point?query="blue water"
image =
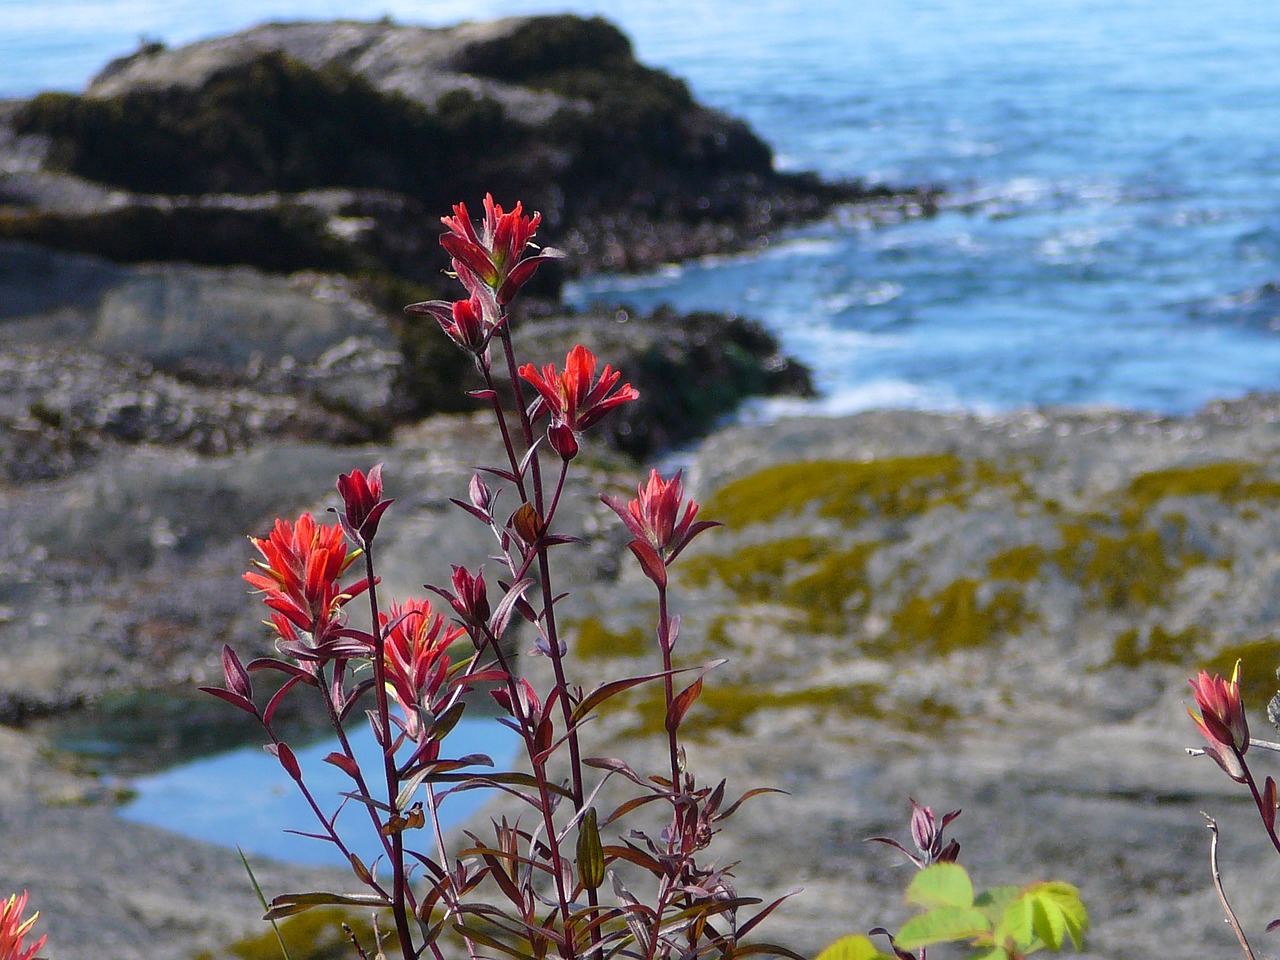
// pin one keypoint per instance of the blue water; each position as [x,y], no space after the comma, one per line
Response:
[244,798]
[1113,169]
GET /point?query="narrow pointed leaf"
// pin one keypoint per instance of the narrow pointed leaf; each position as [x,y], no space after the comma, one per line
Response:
[681,704]
[288,904]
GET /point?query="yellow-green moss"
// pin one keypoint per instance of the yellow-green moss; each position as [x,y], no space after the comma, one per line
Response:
[314,935]
[847,490]
[1232,481]
[1021,563]
[594,641]
[1127,568]
[952,619]
[826,585]
[728,707]
[756,571]
[1133,649]
[1258,663]
[837,589]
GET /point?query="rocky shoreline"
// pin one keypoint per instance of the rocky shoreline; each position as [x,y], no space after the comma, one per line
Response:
[994,613]
[895,648]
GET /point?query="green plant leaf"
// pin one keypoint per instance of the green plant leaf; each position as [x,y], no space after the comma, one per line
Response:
[856,947]
[942,925]
[995,901]
[941,885]
[1057,910]
[1044,914]
[287,904]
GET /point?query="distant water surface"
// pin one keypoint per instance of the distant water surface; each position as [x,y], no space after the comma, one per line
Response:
[1113,168]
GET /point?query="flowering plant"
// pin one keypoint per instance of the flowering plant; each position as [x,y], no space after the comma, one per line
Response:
[557,883]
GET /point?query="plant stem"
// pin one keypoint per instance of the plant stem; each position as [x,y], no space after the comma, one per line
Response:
[1217,885]
[400,889]
[336,722]
[548,608]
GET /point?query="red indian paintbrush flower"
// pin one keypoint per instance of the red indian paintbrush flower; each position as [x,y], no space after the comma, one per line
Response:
[493,253]
[13,929]
[415,658]
[660,529]
[575,398]
[469,323]
[363,503]
[1222,721]
[299,574]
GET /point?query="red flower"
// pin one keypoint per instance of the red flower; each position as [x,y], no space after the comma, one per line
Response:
[303,562]
[362,500]
[493,254]
[415,657]
[575,398]
[1222,721]
[469,323]
[13,929]
[661,530]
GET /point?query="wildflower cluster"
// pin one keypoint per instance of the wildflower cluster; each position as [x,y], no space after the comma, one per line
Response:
[418,664]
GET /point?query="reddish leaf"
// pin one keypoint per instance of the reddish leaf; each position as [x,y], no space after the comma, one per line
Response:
[606,690]
[345,764]
[278,696]
[632,804]
[747,796]
[634,855]
[232,698]
[650,562]
[681,704]
[271,663]
[286,757]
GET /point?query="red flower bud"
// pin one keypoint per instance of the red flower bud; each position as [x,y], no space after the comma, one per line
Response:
[363,503]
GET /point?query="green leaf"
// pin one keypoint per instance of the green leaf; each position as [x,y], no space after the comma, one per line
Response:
[287,904]
[1057,910]
[590,853]
[856,947]
[284,951]
[942,885]
[1044,914]
[995,901]
[942,925]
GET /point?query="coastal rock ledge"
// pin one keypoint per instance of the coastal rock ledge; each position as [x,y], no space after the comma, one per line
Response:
[990,613]
[336,146]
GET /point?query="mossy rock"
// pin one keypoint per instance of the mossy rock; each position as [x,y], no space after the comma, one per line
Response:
[1259,660]
[958,617]
[545,46]
[272,124]
[727,707]
[592,640]
[1135,647]
[849,491]
[317,934]
[828,584]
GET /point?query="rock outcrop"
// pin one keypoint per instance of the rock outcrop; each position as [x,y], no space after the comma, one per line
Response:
[335,146]
[997,614]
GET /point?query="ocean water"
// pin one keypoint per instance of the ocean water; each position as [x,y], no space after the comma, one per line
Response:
[1112,169]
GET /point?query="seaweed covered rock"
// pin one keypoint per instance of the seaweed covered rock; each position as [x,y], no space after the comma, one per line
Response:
[627,168]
